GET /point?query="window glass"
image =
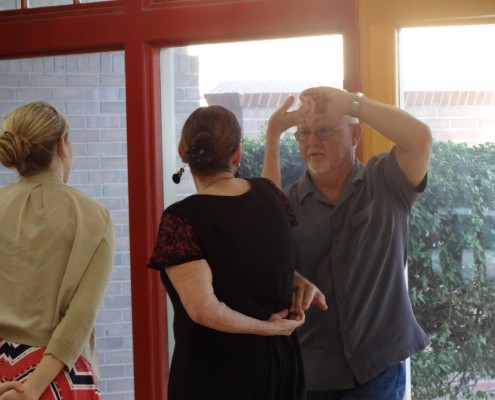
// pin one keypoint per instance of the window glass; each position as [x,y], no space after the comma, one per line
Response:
[252,79]
[16,4]
[89,89]
[45,3]
[447,80]
[10,4]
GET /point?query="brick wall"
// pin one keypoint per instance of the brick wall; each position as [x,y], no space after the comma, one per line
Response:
[253,102]
[460,116]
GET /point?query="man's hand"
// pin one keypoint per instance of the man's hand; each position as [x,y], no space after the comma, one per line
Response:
[304,294]
[282,119]
[279,122]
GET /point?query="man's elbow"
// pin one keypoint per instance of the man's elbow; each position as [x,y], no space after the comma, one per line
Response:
[426,134]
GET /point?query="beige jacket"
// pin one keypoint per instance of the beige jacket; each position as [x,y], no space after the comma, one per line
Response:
[56,257]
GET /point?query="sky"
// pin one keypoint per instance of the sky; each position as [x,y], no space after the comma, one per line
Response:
[448,58]
[437,58]
[316,59]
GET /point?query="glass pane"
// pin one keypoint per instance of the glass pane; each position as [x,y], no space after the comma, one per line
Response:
[10,5]
[448,81]
[45,3]
[93,1]
[90,90]
[252,79]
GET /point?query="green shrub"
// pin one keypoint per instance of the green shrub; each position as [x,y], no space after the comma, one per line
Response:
[451,272]
[253,152]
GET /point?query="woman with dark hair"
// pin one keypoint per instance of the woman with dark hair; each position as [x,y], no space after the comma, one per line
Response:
[227,258]
[56,252]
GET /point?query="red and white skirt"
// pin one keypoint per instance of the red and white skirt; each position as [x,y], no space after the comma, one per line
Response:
[18,361]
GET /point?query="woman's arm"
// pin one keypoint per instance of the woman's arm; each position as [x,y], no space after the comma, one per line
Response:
[75,328]
[193,282]
[46,371]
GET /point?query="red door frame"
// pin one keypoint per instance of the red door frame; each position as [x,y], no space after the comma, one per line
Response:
[141,28]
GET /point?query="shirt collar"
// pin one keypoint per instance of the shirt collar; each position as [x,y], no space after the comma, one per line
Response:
[306,186]
[42,176]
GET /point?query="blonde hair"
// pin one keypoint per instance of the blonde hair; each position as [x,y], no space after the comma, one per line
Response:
[30,135]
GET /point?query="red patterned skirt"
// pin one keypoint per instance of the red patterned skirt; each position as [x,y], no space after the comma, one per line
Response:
[18,361]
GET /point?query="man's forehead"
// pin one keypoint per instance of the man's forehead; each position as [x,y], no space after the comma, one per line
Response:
[319,120]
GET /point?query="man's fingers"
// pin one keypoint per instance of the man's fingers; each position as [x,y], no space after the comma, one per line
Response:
[287,104]
[320,301]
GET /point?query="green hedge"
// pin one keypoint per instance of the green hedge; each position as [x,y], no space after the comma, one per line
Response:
[451,272]
[253,152]
[451,251]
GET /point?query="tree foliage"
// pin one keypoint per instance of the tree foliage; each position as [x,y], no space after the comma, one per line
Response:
[452,272]
[253,152]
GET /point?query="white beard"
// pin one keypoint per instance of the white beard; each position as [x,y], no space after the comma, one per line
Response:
[318,167]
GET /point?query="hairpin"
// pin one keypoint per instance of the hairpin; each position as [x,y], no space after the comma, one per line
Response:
[176,177]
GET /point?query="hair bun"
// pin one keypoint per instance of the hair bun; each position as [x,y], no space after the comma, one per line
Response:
[14,149]
[201,152]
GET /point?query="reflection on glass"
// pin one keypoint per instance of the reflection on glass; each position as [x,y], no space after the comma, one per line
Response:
[447,80]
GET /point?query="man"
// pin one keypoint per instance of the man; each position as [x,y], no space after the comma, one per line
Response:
[352,238]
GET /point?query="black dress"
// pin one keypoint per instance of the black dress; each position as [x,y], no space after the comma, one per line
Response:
[248,244]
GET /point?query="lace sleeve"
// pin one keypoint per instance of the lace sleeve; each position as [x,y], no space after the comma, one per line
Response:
[176,243]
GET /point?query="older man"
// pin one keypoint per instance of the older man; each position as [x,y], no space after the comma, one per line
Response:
[352,239]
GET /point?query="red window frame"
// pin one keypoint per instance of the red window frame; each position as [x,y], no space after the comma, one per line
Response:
[141,28]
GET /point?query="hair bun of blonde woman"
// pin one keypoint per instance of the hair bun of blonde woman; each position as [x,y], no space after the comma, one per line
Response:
[13,149]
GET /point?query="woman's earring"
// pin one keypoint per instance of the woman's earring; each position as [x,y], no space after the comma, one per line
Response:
[176,177]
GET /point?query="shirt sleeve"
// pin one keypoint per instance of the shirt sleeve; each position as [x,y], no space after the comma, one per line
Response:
[176,243]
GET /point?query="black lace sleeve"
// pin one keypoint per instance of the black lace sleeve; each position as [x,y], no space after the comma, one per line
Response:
[176,243]
[290,210]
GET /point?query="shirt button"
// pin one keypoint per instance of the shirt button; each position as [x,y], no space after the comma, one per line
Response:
[348,355]
[346,327]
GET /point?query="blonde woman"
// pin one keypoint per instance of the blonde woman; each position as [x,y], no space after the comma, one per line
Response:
[56,252]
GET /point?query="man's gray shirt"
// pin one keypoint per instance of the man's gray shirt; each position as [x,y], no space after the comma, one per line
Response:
[355,251]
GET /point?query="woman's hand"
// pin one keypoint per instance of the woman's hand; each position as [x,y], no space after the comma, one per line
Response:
[14,391]
[6,386]
[283,326]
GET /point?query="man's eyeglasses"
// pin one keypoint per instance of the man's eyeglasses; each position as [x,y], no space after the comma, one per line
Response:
[322,133]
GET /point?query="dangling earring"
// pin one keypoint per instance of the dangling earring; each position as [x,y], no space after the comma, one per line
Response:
[176,177]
